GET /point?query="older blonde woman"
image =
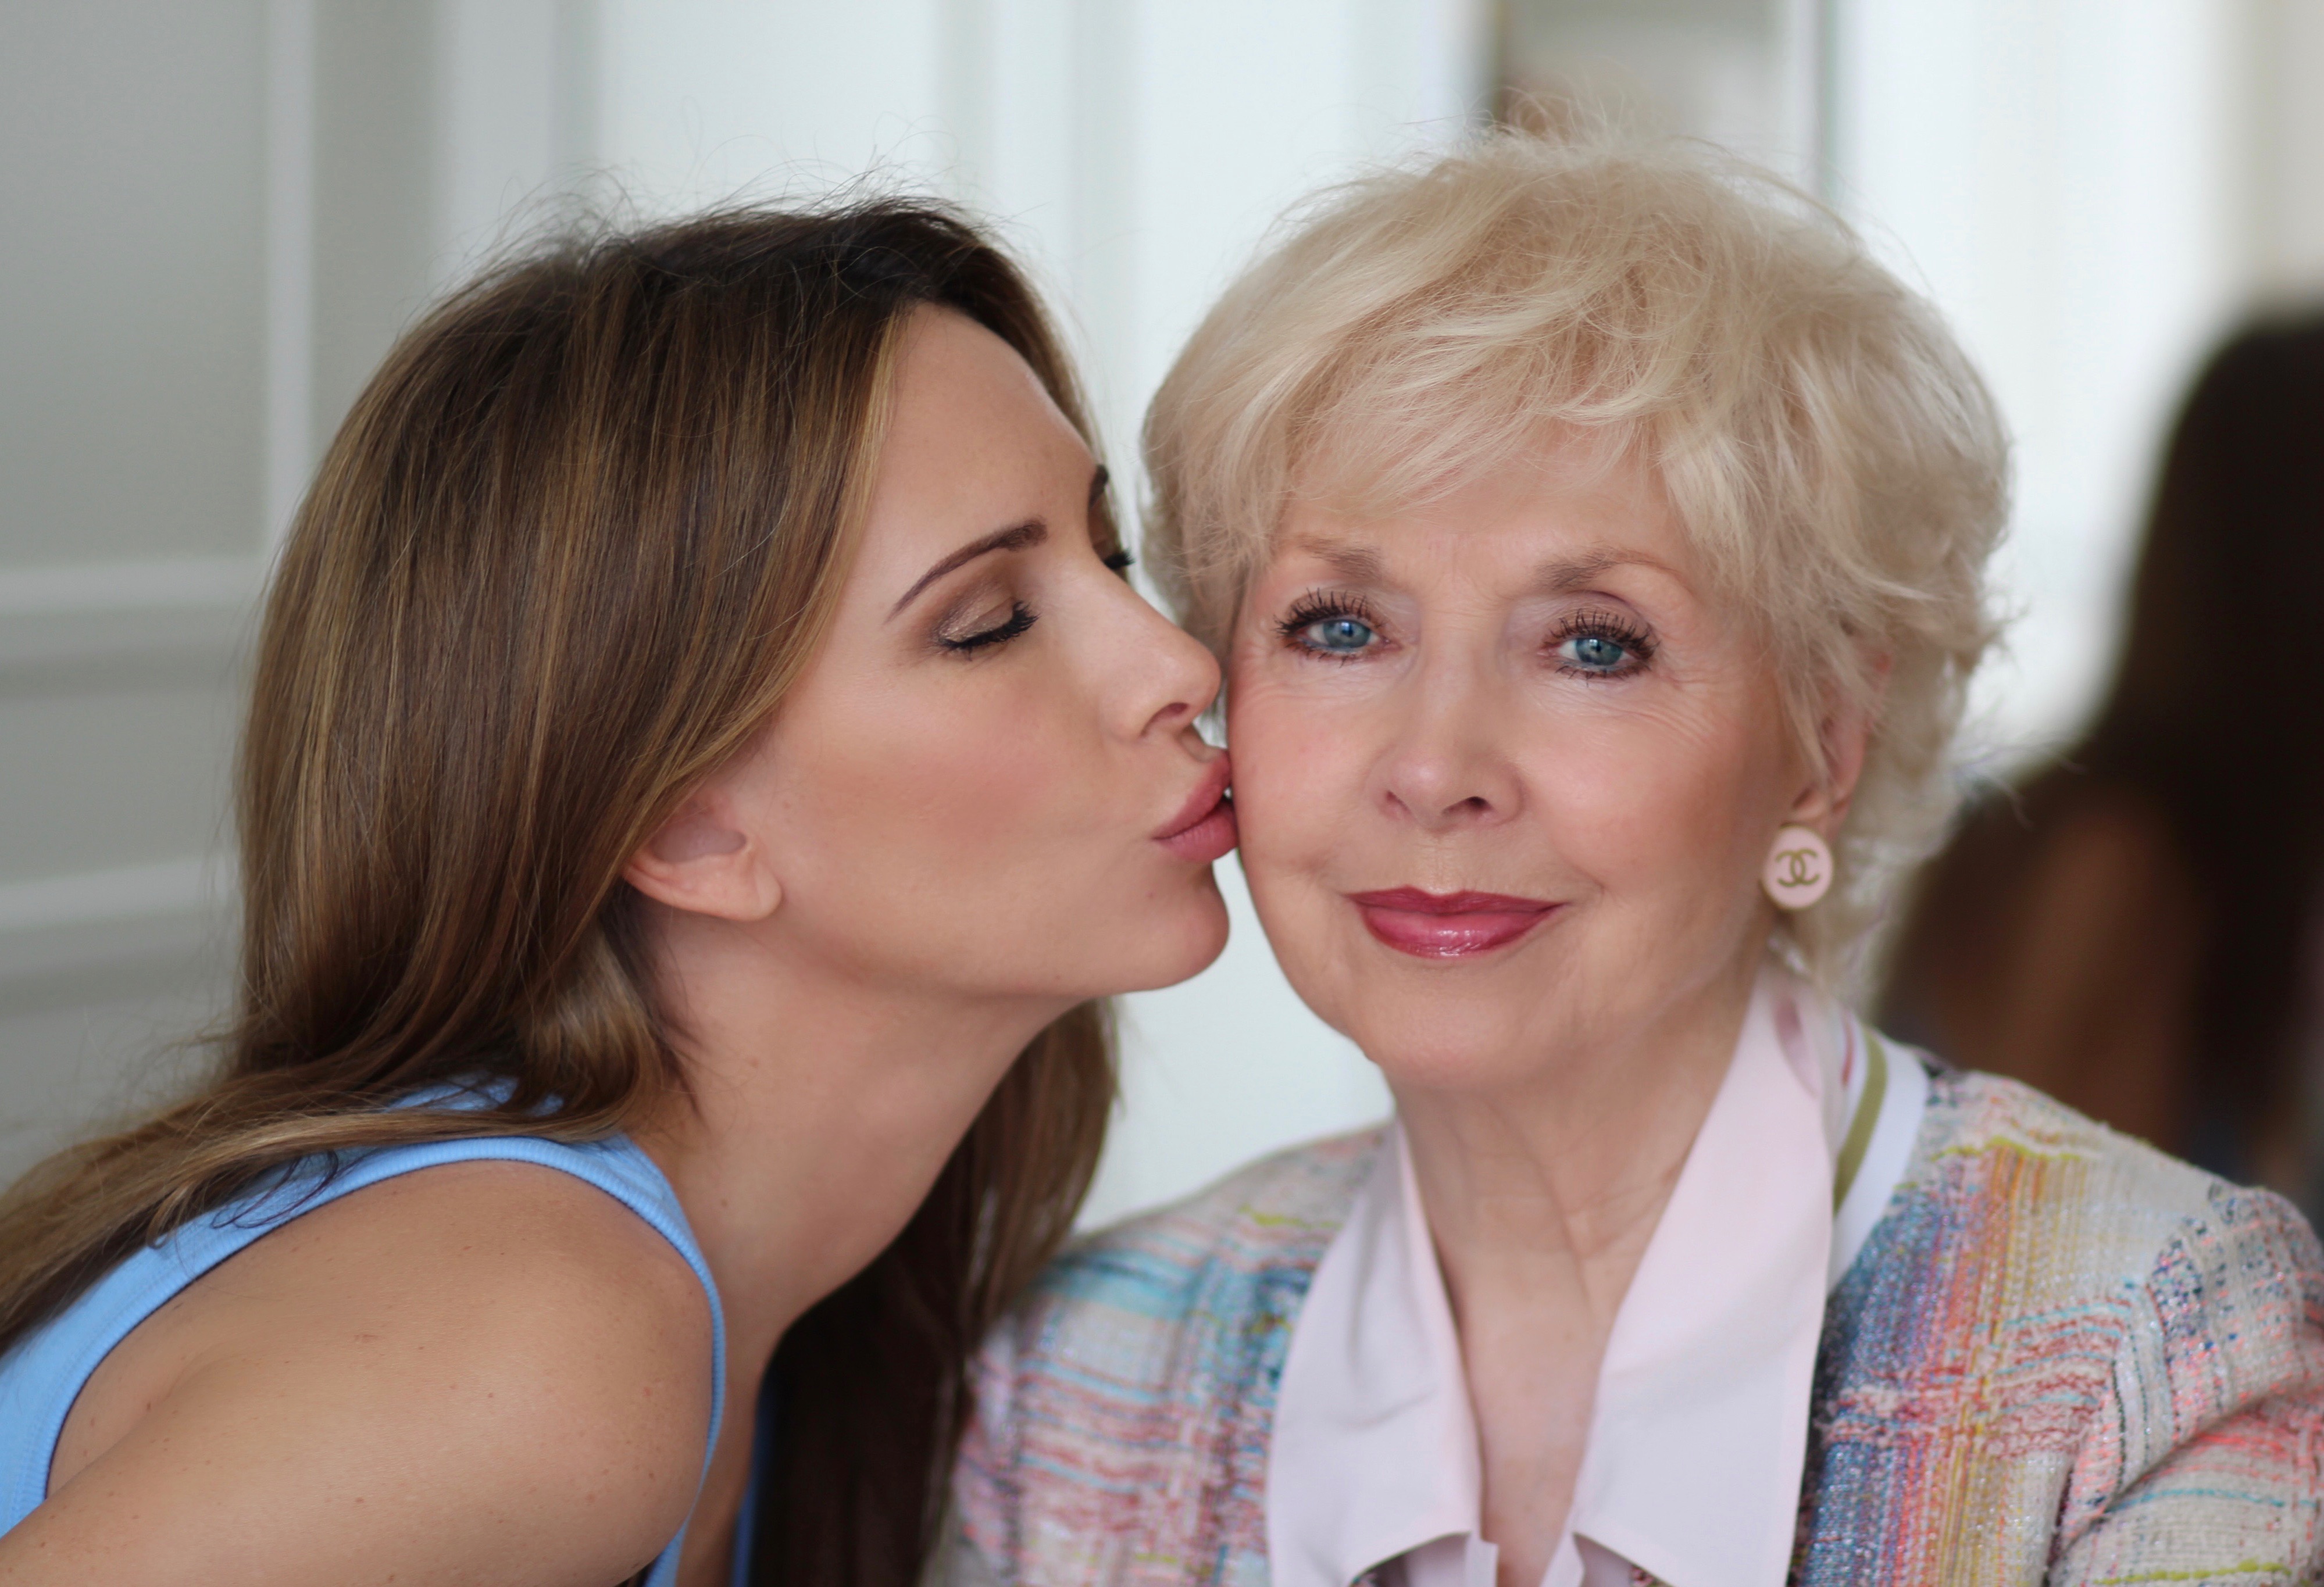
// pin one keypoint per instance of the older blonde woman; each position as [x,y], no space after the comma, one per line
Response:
[1595,541]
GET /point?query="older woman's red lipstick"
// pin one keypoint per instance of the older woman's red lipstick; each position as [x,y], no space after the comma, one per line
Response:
[1447,924]
[1203,829]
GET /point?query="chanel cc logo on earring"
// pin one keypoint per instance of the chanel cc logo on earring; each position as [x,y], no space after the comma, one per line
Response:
[1798,870]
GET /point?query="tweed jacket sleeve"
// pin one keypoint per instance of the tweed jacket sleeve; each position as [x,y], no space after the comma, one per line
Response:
[2063,1357]
[2205,1459]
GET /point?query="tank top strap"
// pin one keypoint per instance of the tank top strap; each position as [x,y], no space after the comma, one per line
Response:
[43,1374]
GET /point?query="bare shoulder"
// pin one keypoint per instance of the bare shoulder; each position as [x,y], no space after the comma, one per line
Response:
[482,1371]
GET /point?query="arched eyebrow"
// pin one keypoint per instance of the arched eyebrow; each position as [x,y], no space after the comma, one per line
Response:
[1561,575]
[1572,573]
[1355,563]
[1016,538]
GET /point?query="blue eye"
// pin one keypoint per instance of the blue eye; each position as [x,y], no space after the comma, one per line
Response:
[1595,652]
[1601,644]
[1339,636]
[1337,623]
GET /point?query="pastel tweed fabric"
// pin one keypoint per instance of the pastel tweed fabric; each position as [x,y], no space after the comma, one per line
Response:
[2062,1357]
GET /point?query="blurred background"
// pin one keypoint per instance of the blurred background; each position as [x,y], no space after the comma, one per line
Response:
[215,217]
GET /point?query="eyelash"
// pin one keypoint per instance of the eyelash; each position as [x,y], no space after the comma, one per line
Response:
[1021,618]
[1599,624]
[1595,622]
[1317,606]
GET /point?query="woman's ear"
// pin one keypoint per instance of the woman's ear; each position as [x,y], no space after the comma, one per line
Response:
[705,862]
[1846,732]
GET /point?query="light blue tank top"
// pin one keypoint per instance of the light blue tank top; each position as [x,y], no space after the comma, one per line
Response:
[43,1375]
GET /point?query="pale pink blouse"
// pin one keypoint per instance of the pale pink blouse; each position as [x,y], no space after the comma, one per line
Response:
[1699,1437]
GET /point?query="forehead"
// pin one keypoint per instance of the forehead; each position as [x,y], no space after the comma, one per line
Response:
[965,404]
[973,444]
[1572,508]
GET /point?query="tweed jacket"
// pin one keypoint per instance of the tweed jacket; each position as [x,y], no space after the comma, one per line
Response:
[2061,1357]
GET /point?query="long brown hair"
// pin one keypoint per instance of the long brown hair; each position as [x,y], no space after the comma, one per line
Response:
[2217,712]
[2213,733]
[566,553]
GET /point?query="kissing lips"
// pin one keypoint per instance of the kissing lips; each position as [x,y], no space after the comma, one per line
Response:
[1447,925]
[1205,829]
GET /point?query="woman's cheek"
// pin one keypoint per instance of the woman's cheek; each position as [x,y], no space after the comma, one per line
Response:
[1290,800]
[1646,802]
[1263,760]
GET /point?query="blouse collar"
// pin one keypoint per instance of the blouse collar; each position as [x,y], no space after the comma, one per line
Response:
[1698,1440]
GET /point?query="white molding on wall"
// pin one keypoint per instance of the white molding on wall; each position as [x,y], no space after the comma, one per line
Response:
[87,920]
[125,892]
[577,77]
[176,584]
[290,315]
[97,612]
[968,31]
[1808,31]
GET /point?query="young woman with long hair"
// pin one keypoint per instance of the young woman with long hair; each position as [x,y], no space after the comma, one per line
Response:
[704,768]
[2137,926]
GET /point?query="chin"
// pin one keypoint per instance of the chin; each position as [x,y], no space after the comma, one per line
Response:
[1187,937]
[1204,935]
[1077,955]
[1432,1046]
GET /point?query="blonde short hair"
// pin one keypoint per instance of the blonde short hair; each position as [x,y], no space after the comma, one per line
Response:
[1838,465]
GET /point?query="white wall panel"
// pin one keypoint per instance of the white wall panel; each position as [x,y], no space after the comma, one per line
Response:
[134,456]
[79,1022]
[2285,118]
[504,131]
[374,203]
[129,242]
[1743,74]
[2067,179]
[709,100]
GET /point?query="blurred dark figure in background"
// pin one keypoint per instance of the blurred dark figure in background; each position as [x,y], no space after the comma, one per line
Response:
[2139,930]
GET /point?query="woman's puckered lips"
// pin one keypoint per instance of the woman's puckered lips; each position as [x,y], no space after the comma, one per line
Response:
[1203,829]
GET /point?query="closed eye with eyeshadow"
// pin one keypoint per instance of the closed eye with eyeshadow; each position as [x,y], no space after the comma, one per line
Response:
[979,625]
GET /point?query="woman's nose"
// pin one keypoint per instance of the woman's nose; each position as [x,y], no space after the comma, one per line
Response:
[1166,676]
[1447,764]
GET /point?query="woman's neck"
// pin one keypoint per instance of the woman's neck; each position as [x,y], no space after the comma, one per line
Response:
[822,1109]
[1540,1204]
[821,1112]
[1577,1164]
